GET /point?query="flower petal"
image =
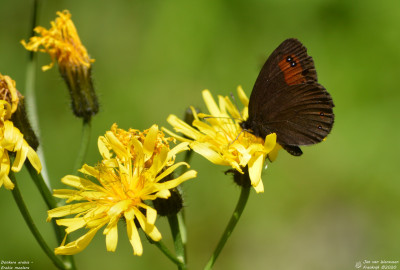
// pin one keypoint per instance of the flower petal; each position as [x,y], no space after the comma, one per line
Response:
[111,233]
[208,153]
[242,96]
[133,236]
[69,209]
[210,103]
[255,168]
[150,142]
[78,245]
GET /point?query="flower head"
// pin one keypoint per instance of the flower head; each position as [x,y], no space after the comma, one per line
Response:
[12,140]
[64,46]
[132,173]
[219,137]
[61,42]
[8,92]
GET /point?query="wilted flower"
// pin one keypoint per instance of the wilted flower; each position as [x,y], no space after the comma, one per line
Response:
[64,46]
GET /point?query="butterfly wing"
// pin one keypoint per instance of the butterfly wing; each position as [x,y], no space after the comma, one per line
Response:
[288,100]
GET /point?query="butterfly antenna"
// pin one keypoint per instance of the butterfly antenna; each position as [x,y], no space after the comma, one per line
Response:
[237,137]
[221,117]
[234,101]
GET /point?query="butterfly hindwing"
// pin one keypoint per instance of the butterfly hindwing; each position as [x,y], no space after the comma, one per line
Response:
[303,117]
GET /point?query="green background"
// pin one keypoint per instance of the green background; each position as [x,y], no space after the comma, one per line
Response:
[334,206]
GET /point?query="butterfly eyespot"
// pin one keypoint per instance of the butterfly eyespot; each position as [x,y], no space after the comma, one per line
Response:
[289,59]
[293,64]
[321,114]
[319,127]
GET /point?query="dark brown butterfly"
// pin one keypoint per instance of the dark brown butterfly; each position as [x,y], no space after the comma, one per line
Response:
[288,100]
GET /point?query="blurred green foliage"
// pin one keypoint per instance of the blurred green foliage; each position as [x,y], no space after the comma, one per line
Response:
[336,205]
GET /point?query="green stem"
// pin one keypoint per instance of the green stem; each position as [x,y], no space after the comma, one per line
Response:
[244,195]
[86,131]
[47,196]
[29,221]
[181,214]
[41,185]
[41,180]
[30,96]
[51,204]
[178,239]
[182,229]
[168,253]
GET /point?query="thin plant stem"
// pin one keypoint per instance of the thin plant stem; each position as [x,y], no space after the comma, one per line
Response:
[47,197]
[244,195]
[182,229]
[41,180]
[177,237]
[85,138]
[30,96]
[42,187]
[181,214]
[29,221]
[168,253]
[51,203]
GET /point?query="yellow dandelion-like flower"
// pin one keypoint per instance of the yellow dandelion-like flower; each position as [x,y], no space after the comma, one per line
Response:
[12,140]
[8,92]
[125,181]
[153,143]
[219,138]
[61,42]
[64,46]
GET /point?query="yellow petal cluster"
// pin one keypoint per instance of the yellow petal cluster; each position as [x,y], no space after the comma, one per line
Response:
[123,182]
[12,140]
[218,137]
[152,141]
[61,42]
[8,92]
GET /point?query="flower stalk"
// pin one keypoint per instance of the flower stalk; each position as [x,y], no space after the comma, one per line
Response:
[32,227]
[237,213]
[84,145]
[160,245]
[178,239]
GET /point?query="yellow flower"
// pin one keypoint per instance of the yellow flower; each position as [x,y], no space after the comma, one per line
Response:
[219,137]
[12,140]
[61,42]
[153,143]
[63,45]
[8,92]
[124,182]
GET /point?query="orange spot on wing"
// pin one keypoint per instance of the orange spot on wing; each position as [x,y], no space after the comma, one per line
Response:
[292,74]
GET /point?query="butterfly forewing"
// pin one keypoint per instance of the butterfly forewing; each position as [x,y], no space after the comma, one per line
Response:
[287,99]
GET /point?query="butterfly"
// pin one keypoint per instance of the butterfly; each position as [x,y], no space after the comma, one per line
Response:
[288,100]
